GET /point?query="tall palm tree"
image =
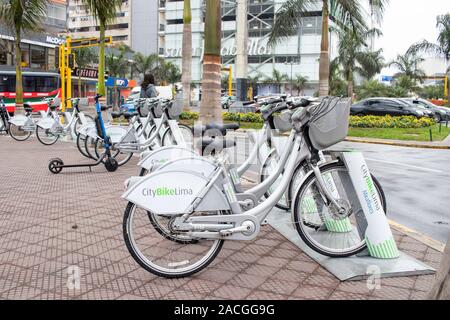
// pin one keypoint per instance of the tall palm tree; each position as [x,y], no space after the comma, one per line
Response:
[84,57]
[117,65]
[277,79]
[353,55]
[187,55]
[289,16]
[408,65]
[169,73]
[210,107]
[104,12]
[21,16]
[377,9]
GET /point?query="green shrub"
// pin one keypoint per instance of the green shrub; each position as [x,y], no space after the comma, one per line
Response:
[390,122]
[189,115]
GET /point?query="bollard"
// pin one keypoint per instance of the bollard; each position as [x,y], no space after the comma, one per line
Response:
[431,135]
[440,127]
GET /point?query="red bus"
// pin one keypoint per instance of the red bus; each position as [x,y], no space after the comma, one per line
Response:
[36,87]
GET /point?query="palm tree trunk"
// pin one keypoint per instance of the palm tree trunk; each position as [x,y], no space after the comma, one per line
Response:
[210,107]
[101,61]
[324,69]
[19,85]
[350,84]
[187,55]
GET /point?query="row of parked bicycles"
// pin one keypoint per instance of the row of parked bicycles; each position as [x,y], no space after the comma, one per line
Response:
[187,197]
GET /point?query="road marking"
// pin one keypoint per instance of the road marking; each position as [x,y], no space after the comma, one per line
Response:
[406,165]
[436,245]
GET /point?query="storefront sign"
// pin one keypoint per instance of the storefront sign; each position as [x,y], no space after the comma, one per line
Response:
[256,47]
[85,73]
[119,82]
[55,40]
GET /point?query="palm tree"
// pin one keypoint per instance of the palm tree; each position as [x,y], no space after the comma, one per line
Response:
[407,64]
[84,57]
[374,64]
[147,64]
[187,55]
[117,66]
[169,73]
[353,56]
[300,83]
[210,107]
[289,16]
[377,9]
[442,47]
[21,16]
[277,79]
[104,12]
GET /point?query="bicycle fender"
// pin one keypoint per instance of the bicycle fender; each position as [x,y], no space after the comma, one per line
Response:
[46,123]
[168,192]
[198,164]
[19,120]
[163,155]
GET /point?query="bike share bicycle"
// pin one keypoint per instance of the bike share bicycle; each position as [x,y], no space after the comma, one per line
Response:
[204,211]
[57,165]
[19,127]
[49,129]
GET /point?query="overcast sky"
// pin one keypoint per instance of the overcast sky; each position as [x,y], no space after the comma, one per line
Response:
[409,21]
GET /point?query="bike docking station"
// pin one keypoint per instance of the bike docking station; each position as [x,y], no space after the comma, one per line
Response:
[382,257]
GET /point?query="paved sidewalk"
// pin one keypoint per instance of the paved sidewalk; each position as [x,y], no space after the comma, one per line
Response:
[50,223]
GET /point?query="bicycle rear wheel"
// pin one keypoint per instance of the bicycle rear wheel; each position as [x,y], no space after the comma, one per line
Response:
[166,255]
[269,167]
[46,137]
[17,133]
[319,224]
[122,158]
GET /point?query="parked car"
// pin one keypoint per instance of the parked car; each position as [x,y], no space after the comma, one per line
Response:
[439,113]
[387,106]
[227,101]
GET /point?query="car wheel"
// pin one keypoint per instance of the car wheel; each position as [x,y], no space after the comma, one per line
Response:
[437,117]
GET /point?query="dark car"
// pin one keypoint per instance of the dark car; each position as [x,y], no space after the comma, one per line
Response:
[439,113]
[386,106]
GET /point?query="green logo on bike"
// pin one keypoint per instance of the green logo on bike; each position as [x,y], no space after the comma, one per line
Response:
[166,192]
[370,194]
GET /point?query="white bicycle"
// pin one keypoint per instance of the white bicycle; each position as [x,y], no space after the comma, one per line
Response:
[201,211]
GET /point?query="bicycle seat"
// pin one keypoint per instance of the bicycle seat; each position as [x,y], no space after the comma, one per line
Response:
[215,129]
[116,115]
[129,115]
[27,108]
[211,146]
[104,108]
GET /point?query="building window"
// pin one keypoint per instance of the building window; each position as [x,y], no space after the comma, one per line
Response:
[38,60]
[25,55]
[3,56]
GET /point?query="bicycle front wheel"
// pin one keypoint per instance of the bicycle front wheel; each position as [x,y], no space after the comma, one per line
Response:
[319,224]
[269,167]
[165,254]
[122,158]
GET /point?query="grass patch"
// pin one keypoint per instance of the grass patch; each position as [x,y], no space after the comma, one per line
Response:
[415,134]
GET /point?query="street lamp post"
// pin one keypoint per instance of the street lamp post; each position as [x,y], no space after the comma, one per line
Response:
[292,62]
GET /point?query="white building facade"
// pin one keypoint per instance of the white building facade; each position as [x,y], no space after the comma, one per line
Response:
[136,24]
[297,55]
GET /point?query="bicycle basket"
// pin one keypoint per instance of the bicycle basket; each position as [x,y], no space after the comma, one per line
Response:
[329,122]
[282,121]
[158,109]
[176,109]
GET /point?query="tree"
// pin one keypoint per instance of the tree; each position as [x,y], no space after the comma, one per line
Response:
[210,107]
[277,79]
[169,73]
[300,84]
[408,65]
[289,16]
[20,16]
[187,55]
[117,65]
[104,12]
[338,86]
[353,56]
[147,64]
[84,57]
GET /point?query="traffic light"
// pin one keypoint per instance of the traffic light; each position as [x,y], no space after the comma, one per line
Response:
[71,61]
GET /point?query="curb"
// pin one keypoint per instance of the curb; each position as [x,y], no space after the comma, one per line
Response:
[436,245]
[398,144]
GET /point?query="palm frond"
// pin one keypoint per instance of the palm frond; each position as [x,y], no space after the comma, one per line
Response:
[287,19]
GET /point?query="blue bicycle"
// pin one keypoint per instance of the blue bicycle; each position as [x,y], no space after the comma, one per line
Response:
[57,165]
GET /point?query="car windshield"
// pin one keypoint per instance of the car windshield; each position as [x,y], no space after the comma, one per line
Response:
[403,102]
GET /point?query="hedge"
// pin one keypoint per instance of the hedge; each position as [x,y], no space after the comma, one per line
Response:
[355,121]
[390,122]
